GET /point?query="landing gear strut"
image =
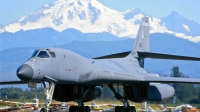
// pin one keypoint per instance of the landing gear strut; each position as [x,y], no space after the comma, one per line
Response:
[126,107]
[80,107]
[48,91]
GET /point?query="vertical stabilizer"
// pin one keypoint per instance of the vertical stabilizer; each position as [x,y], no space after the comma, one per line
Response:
[142,39]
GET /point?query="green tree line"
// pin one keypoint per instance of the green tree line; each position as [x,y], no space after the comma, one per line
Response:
[19,94]
[185,93]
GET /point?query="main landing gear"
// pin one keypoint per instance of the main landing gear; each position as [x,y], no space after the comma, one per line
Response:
[126,107]
[80,107]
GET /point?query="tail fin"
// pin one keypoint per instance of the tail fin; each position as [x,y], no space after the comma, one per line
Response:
[142,39]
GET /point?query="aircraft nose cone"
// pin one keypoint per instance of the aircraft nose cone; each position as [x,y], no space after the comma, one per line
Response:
[25,72]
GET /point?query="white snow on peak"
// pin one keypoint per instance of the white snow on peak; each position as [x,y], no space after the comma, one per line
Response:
[131,10]
[85,15]
[190,38]
[88,16]
[186,27]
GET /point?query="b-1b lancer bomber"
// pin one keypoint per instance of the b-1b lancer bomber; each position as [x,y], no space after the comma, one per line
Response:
[67,76]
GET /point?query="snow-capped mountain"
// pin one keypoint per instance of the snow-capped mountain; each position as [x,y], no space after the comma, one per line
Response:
[90,16]
[84,15]
[130,13]
[177,23]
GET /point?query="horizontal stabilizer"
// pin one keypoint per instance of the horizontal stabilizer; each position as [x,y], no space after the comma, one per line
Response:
[165,56]
[150,55]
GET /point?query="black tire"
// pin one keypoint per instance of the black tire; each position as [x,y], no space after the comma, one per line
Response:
[134,109]
[86,109]
[130,109]
[51,110]
[118,109]
[81,109]
[73,108]
[44,110]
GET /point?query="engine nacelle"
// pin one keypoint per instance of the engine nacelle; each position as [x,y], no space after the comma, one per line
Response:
[151,92]
[92,94]
[64,92]
[159,92]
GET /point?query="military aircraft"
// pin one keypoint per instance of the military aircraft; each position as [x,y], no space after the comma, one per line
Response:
[67,76]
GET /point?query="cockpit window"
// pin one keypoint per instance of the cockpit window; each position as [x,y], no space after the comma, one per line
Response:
[43,54]
[34,54]
[53,55]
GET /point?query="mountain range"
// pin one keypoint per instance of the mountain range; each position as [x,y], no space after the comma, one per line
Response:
[90,16]
[49,37]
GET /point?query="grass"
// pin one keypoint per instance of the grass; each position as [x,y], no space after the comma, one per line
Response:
[100,102]
[1,104]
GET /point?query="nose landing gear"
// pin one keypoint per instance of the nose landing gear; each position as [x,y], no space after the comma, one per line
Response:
[48,90]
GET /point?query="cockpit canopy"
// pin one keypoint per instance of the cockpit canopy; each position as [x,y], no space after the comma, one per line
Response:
[44,54]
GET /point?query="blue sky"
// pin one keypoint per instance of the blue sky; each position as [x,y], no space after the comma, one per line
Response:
[11,10]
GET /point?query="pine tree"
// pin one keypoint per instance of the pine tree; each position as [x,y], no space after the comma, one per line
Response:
[185,93]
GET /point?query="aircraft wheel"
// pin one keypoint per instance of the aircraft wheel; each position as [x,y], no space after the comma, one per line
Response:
[86,109]
[73,108]
[134,109]
[44,110]
[118,109]
[81,109]
[130,109]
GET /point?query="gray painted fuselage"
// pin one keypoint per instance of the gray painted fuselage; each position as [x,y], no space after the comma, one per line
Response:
[69,67]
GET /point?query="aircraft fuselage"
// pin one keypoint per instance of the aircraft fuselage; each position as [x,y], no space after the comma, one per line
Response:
[68,67]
